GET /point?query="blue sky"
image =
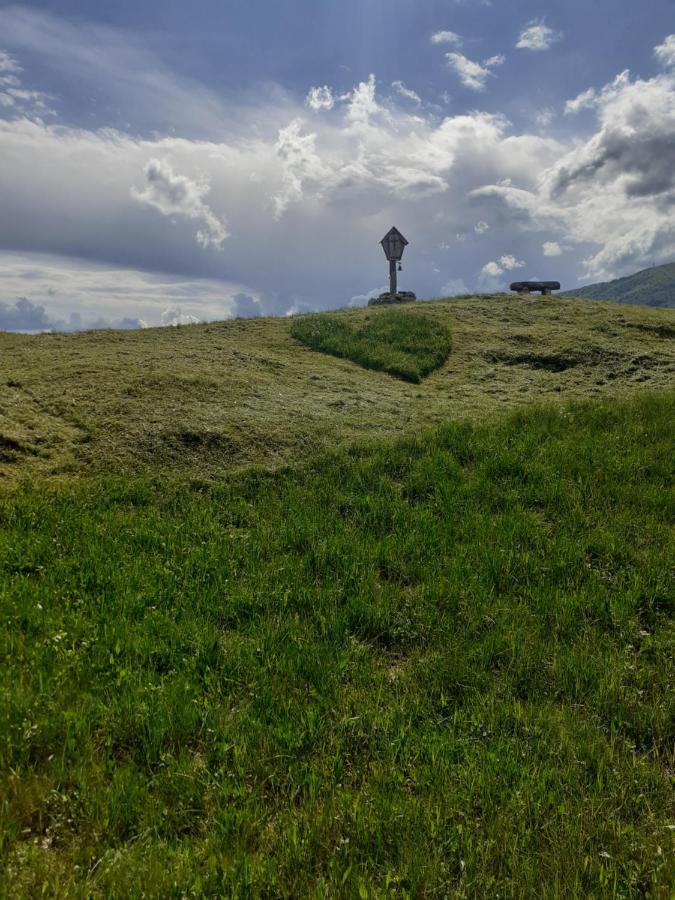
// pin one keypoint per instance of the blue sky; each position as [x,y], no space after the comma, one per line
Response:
[171,161]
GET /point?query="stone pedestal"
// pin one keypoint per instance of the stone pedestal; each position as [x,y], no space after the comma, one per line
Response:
[399,297]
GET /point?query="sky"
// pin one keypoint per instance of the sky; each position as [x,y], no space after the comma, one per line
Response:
[168,162]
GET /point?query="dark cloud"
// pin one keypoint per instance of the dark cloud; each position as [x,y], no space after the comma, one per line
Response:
[636,141]
[647,159]
[24,316]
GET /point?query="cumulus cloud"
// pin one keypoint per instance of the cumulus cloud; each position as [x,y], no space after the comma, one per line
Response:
[32,318]
[446,37]
[551,248]
[174,315]
[614,191]
[537,36]
[365,169]
[635,145]
[473,74]
[301,164]
[373,162]
[362,299]
[362,104]
[174,194]
[492,269]
[508,262]
[24,316]
[320,98]
[481,227]
[585,100]
[406,92]
[665,52]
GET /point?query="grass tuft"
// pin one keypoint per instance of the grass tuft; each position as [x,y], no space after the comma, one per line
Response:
[407,345]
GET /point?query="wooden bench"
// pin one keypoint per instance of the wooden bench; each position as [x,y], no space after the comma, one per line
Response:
[527,287]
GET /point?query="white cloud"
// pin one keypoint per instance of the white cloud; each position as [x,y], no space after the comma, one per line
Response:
[585,100]
[362,299]
[15,98]
[174,194]
[70,294]
[537,36]
[481,227]
[362,104]
[320,98]
[388,167]
[492,269]
[372,162]
[508,262]
[174,315]
[446,37]
[406,92]
[613,192]
[473,74]
[301,164]
[665,52]
[551,248]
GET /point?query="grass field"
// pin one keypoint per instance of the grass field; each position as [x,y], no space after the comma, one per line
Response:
[408,345]
[279,624]
[440,666]
[205,399]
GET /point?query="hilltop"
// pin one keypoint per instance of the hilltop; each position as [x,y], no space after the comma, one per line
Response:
[650,287]
[203,399]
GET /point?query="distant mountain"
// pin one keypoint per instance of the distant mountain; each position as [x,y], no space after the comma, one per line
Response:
[650,287]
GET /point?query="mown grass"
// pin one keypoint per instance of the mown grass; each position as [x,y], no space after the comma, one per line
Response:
[209,399]
[407,345]
[442,667]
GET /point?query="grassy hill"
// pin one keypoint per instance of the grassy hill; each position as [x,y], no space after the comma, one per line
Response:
[276,624]
[204,399]
[650,287]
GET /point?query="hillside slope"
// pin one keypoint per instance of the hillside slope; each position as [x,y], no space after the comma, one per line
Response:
[208,398]
[650,287]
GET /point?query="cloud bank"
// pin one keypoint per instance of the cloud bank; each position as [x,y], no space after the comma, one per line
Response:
[279,202]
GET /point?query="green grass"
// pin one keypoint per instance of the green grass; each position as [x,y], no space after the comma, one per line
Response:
[407,345]
[440,666]
[209,399]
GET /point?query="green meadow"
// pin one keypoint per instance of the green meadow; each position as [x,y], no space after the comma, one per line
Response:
[424,656]
[443,667]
